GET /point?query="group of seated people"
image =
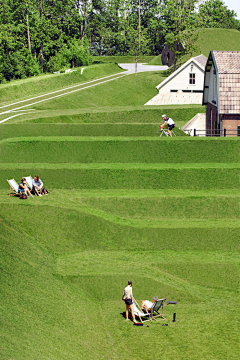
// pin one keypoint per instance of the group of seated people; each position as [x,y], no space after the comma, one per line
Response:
[37,187]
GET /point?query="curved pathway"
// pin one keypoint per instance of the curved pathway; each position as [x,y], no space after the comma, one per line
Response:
[142,67]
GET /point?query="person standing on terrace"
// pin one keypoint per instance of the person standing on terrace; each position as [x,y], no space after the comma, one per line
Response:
[128,299]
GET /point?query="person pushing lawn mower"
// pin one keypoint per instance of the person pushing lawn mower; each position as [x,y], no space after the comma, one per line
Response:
[170,124]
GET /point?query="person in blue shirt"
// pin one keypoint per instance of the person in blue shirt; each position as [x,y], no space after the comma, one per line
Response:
[23,189]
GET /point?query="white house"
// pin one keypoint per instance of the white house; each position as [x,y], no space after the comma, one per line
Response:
[184,86]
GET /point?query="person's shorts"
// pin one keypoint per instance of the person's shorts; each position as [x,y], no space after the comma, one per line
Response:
[171,126]
[128,301]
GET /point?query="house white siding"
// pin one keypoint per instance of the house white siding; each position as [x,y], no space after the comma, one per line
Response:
[212,92]
[184,86]
[181,81]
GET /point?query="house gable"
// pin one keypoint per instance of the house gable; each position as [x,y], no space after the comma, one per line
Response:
[188,78]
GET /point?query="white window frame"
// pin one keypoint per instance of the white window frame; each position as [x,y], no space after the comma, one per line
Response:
[192,77]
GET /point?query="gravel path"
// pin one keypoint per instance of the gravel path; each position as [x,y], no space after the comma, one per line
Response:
[142,67]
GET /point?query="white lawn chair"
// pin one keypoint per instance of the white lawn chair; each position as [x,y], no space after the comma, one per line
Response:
[29,182]
[13,187]
[138,312]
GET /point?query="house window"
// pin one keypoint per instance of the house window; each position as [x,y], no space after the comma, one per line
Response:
[192,79]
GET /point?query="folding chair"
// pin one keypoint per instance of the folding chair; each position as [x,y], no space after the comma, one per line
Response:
[13,187]
[155,309]
[29,182]
[138,312]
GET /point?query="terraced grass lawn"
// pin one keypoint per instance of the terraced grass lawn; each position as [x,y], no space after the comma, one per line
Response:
[122,205]
[80,246]
[26,88]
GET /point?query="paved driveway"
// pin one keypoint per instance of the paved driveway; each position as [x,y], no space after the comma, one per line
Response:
[142,67]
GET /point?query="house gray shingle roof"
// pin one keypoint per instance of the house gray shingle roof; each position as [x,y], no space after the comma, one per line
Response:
[228,65]
[201,59]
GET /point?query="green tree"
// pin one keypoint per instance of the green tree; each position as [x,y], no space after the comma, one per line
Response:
[180,23]
[215,14]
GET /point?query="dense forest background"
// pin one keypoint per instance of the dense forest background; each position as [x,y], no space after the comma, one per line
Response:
[47,35]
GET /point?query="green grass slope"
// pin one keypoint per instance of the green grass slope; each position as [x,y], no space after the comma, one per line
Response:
[40,311]
[215,39]
[120,150]
[53,272]
[157,60]
[122,205]
[35,86]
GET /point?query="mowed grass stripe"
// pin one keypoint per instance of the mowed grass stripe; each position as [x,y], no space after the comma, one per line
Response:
[118,166]
[160,266]
[196,221]
[193,211]
[163,141]
[70,230]
[134,194]
[98,115]
[190,179]
[94,130]
[177,208]
[119,150]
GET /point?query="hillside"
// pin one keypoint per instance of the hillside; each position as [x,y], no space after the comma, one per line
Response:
[217,39]
[210,39]
[122,205]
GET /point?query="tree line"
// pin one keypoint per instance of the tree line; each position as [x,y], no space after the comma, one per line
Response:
[47,35]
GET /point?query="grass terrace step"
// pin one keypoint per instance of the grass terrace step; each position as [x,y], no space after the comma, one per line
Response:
[43,130]
[72,228]
[128,176]
[119,150]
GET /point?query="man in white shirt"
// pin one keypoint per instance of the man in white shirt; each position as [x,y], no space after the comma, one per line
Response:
[37,186]
[170,124]
[128,299]
[146,304]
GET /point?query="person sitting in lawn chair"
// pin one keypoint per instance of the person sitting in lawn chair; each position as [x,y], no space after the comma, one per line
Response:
[146,304]
[170,124]
[37,186]
[23,189]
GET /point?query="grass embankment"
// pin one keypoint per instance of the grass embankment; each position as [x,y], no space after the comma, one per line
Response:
[34,86]
[72,150]
[162,212]
[215,39]
[98,119]
[207,40]
[157,60]
[113,93]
